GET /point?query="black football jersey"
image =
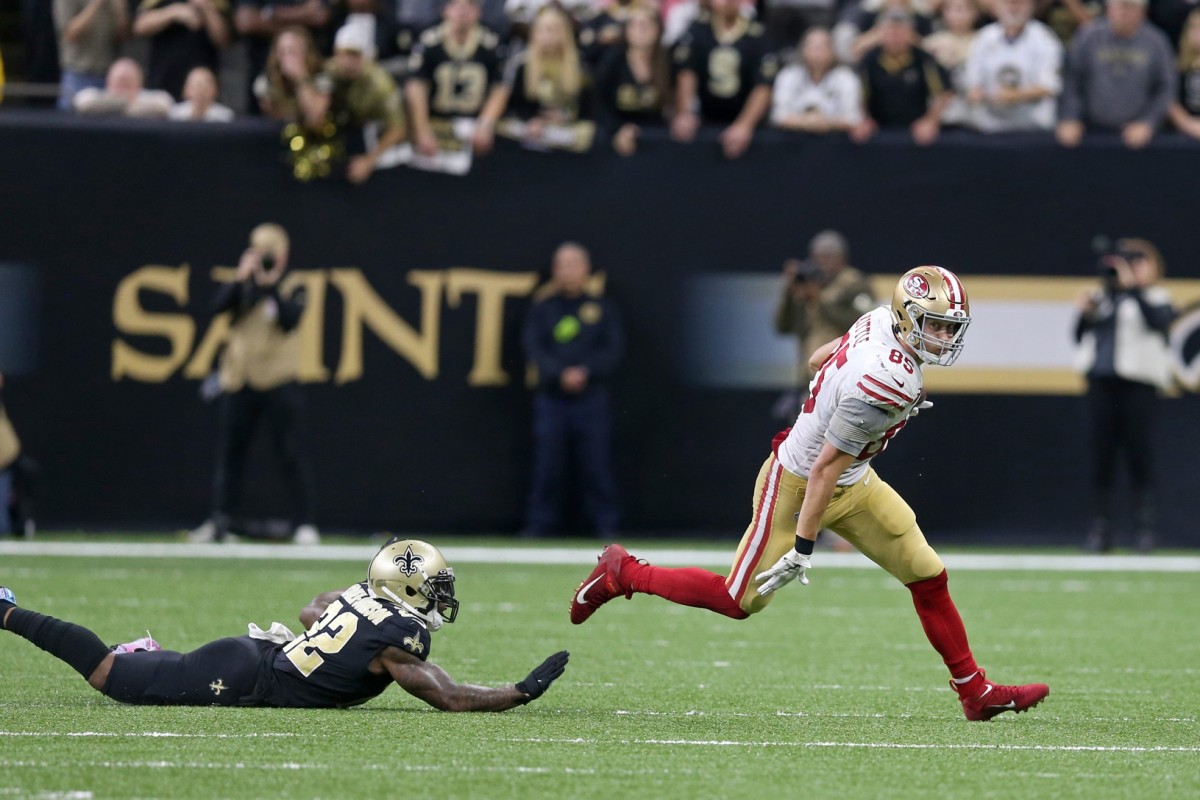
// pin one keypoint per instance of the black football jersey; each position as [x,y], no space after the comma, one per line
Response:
[625,99]
[459,76]
[329,664]
[727,67]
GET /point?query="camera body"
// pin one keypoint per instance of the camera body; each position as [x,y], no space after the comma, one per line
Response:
[808,272]
[268,261]
[1107,252]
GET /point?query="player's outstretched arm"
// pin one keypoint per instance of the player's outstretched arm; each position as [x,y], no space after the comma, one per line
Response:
[431,683]
[316,607]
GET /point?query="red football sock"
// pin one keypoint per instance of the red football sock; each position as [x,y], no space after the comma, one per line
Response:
[687,586]
[943,625]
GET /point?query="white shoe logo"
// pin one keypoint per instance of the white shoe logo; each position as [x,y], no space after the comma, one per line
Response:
[1009,704]
[579,598]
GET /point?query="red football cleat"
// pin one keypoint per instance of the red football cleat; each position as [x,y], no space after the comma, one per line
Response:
[996,699]
[602,585]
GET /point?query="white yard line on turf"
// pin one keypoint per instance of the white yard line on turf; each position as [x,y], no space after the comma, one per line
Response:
[577,556]
[148,734]
[864,745]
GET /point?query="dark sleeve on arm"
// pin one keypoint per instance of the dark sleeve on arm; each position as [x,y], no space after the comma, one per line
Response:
[607,356]
[1158,316]
[226,297]
[608,117]
[291,308]
[1082,326]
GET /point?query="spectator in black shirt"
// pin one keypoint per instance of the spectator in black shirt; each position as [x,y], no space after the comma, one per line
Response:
[550,92]
[602,33]
[634,81]
[455,71]
[903,86]
[183,34]
[723,63]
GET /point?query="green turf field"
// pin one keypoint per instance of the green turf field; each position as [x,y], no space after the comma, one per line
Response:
[832,693]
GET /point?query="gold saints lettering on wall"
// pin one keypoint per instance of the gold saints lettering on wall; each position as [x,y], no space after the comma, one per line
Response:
[193,355]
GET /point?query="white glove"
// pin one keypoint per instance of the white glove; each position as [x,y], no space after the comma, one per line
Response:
[919,407]
[787,569]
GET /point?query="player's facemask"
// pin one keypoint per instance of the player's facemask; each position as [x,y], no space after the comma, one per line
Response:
[931,347]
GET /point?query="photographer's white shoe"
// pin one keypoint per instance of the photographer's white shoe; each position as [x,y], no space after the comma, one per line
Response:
[306,534]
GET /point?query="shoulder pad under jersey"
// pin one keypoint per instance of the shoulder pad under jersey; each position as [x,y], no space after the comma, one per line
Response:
[885,383]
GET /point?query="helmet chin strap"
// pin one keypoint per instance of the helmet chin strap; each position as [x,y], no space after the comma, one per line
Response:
[432,618]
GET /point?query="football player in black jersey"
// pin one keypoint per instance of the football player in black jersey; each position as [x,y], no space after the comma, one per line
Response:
[455,71]
[723,63]
[358,642]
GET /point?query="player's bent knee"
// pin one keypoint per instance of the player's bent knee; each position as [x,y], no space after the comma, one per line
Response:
[922,563]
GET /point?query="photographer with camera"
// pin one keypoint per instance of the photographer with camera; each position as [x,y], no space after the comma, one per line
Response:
[821,298]
[1122,337]
[258,372]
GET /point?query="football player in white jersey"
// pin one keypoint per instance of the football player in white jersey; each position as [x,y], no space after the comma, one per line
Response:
[867,385]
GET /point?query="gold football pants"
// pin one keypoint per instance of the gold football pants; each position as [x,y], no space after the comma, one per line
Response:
[870,515]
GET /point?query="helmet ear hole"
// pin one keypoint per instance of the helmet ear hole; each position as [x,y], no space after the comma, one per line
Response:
[410,591]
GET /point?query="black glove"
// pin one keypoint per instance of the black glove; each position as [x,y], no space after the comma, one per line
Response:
[538,681]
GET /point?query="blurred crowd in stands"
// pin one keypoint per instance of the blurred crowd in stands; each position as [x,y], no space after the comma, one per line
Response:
[446,74]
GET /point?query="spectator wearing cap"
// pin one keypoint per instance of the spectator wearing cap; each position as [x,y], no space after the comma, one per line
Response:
[124,95]
[815,94]
[200,99]
[183,34]
[363,94]
[1013,72]
[903,85]
[1119,76]
[1185,113]
[89,34]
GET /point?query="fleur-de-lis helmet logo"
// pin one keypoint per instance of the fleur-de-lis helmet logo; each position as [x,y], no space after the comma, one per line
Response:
[408,562]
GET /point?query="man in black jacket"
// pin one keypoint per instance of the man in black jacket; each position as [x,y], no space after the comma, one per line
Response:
[573,337]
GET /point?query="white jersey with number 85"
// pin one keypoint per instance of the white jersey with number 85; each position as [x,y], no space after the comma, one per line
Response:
[869,365]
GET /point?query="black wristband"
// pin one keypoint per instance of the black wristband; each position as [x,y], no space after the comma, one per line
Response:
[804,546]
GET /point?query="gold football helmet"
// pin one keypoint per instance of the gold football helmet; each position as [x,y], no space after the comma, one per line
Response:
[414,575]
[931,295]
